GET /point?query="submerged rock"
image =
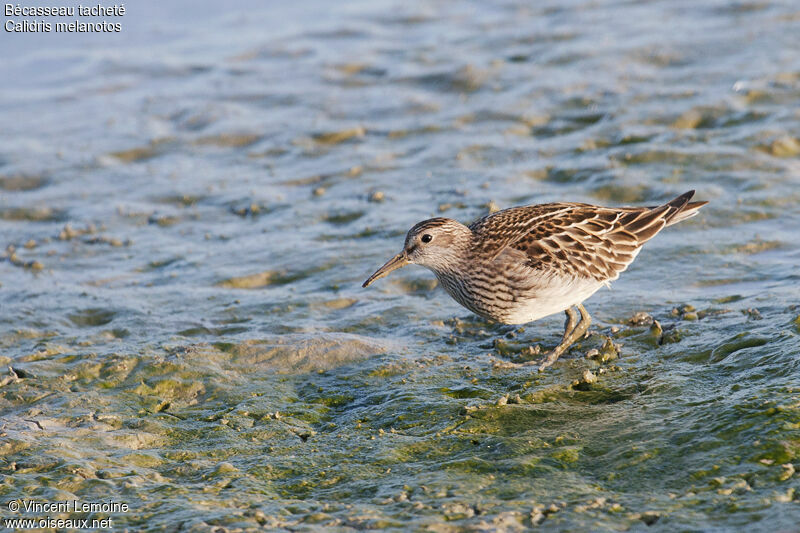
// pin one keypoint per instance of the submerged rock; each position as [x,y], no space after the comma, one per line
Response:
[650,517]
[256,281]
[586,381]
[336,137]
[783,147]
[788,471]
[297,353]
[640,319]
[607,352]
[655,329]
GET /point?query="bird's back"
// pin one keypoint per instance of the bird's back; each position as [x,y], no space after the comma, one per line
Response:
[580,239]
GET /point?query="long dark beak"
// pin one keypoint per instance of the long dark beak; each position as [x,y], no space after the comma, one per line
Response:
[398,261]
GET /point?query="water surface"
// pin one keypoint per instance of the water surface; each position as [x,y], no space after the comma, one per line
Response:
[188,210]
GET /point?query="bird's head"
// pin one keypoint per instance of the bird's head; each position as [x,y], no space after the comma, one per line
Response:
[436,243]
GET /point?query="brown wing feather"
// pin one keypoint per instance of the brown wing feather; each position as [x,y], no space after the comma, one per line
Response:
[493,233]
[585,240]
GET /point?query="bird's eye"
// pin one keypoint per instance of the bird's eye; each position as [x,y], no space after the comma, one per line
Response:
[427,237]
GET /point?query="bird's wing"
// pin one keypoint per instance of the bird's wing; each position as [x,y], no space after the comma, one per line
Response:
[585,240]
[497,231]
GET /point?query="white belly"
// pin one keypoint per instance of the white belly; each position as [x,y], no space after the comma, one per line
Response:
[555,298]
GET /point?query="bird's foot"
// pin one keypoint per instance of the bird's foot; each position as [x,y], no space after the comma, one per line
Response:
[552,356]
[548,360]
[502,363]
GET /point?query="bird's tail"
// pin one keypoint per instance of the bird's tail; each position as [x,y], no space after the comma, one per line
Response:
[681,208]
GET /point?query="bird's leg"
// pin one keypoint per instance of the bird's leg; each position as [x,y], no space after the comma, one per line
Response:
[570,336]
[586,321]
[569,325]
[572,332]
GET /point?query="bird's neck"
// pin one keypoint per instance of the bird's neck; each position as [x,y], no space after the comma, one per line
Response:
[455,264]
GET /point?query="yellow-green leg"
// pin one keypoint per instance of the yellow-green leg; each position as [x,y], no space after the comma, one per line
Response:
[571,334]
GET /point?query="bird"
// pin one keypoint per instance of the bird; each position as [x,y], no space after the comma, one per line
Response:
[524,263]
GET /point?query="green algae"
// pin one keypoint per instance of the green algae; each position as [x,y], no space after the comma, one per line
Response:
[228,140]
[739,342]
[341,219]
[466,392]
[183,327]
[782,147]
[23,182]
[40,214]
[336,137]
[137,154]
[258,280]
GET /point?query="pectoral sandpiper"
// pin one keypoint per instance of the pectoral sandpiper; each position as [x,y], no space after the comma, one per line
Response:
[525,263]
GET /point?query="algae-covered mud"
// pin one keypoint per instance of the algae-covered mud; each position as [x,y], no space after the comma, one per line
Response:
[188,209]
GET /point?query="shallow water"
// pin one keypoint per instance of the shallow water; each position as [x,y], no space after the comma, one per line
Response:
[193,206]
